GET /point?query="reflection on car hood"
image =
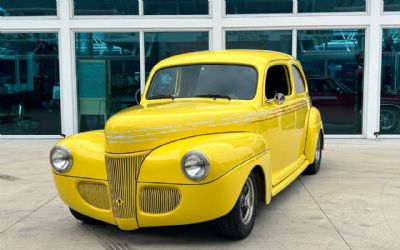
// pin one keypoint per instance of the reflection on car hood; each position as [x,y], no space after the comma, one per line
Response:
[143,128]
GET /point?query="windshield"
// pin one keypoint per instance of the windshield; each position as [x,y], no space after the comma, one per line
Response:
[207,80]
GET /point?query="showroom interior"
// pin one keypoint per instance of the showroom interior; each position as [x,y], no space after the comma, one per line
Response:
[66,66]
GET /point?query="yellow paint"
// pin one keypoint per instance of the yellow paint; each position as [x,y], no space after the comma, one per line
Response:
[235,135]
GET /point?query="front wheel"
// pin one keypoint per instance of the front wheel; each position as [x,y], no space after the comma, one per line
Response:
[314,167]
[239,222]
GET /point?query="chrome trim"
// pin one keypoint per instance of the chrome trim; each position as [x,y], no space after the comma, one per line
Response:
[203,157]
[122,173]
[158,200]
[70,158]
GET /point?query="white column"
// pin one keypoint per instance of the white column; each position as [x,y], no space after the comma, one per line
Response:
[372,72]
[217,8]
[142,61]
[294,43]
[68,95]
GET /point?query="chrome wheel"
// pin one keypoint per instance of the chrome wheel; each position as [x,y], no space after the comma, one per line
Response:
[239,222]
[318,152]
[247,198]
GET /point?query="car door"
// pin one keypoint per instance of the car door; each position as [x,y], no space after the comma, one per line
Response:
[302,107]
[278,121]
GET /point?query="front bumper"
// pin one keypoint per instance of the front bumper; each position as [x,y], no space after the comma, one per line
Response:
[193,203]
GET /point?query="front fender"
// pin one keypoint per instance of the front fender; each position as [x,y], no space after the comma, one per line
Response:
[87,151]
[224,151]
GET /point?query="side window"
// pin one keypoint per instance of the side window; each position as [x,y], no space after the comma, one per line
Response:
[166,82]
[298,80]
[277,81]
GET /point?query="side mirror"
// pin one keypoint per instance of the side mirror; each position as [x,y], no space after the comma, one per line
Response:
[279,98]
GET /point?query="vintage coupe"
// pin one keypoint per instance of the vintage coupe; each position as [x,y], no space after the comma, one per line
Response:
[215,132]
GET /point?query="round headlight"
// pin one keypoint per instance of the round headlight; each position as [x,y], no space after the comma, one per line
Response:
[60,159]
[195,165]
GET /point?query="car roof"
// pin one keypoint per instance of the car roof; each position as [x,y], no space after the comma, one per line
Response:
[239,56]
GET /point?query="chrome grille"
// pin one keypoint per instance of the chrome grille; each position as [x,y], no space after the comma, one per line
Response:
[122,175]
[157,200]
[96,194]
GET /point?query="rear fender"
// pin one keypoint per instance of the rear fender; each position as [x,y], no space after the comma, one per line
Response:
[315,128]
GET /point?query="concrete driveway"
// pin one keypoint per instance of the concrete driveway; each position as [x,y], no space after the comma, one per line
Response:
[353,203]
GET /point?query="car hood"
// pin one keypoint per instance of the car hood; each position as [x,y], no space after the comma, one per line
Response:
[144,128]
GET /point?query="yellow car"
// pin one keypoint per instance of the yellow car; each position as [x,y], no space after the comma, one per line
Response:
[215,133]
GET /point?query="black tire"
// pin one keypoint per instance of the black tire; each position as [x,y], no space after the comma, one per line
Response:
[239,222]
[84,218]
[389,119]
[314,167]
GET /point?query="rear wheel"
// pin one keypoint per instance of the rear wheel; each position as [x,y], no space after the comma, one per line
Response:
[84,218]
[314,167]
[239,222]
[389,118]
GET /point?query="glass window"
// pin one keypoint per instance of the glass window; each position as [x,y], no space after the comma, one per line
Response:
[258,6]
[108,75]
[278,40]
[175,7]
[333,62]
[390,82]
[391,5]
[106,7]
[277,81]
[331,6]
[28,8]
[160,45]
[298,80]
[203,81]
[29,84]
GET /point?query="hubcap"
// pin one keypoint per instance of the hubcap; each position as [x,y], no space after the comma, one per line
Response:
[247,202]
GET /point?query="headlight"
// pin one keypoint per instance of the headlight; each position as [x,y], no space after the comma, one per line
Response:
[195,165]
[60,159]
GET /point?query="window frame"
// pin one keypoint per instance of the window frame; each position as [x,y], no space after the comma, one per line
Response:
[286,65]
[300,70]
[149,81]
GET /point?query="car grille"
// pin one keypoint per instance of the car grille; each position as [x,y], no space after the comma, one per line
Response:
[157,200]
[122,174]
[96,194]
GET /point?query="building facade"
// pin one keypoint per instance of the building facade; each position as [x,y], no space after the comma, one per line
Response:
[68,65]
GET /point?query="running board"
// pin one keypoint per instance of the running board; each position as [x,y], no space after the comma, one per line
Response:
[284,183]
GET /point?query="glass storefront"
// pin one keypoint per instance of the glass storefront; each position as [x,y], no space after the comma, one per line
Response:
[175,7]
[109,67]
[160,45]
[333,61]
[258,6]
[28,8]
[108,75]
[390,82]
[305,6]
[278,40]
[106,7]
[391,5]
[29,84]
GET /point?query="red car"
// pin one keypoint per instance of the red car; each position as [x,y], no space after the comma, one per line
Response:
[341,105]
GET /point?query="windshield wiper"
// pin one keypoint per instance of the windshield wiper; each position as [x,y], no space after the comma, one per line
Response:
[163,97]
[215,96]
